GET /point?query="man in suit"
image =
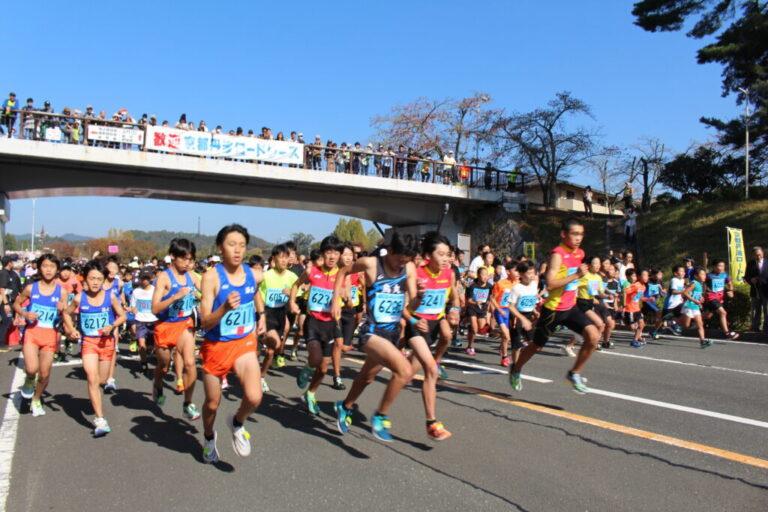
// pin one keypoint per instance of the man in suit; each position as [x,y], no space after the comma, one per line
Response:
[756,275]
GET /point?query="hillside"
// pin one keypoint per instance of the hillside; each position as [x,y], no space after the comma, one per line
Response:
[667,233]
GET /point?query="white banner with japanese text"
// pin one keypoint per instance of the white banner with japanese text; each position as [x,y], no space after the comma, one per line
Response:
[171,140]
[115,134]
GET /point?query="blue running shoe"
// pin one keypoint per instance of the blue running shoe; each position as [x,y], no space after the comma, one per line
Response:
[381,425]
[441,373]
[578,383]
[305,374]
[343,417]
[637,344]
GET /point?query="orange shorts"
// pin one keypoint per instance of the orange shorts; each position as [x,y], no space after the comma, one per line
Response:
[167,334]
[103,347]
[45,338]
[219,356]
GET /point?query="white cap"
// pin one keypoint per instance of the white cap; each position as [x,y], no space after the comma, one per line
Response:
[167,259]
[215,259]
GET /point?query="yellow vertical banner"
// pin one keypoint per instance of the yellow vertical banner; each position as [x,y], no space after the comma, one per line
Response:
[529,250]
[737,260]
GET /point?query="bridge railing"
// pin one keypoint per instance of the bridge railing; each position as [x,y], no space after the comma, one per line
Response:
[132,136]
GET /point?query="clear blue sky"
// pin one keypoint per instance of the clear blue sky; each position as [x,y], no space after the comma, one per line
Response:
[327,67]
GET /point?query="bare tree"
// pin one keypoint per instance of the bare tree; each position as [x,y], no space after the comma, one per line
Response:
[652,156]
[543,142]
[438,126]
[607,167]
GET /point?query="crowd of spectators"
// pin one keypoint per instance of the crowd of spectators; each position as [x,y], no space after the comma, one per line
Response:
[403,163]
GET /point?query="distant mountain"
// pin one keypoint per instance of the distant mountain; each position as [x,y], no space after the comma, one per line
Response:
[204,243]
[67,237]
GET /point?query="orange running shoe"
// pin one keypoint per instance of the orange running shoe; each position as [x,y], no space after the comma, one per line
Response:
[179,386]
[437,432]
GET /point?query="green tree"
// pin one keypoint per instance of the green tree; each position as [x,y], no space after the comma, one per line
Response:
[351,230]
[11,242]
[374,237]
[740,28]
[706,170]
[303,242]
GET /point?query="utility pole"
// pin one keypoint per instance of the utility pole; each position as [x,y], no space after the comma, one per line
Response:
[746,145]
[198,226]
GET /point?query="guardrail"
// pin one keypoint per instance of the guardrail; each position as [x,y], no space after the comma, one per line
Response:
[124,135]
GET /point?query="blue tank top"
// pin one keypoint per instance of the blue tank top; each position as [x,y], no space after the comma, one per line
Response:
[183,308]
[95,318]
[46,306]
[386,298]
[236,323]
[115,287]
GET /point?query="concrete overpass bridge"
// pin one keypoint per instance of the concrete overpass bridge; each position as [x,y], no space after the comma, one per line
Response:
[33,169]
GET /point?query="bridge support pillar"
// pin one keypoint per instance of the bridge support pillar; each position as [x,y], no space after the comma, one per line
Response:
[451,225]
[5,216]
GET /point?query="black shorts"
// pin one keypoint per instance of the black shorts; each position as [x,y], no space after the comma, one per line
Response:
[322,332]
[649,310]
[518,334]
[585,305]
[573,319]
[674,312]
[348,323]
[276,319]
[476,310]
[632,318]
[432,335]
[302,303]
[712,306]
[390,332]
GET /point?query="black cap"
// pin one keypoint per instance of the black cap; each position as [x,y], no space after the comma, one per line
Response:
[6,259]
[47,103]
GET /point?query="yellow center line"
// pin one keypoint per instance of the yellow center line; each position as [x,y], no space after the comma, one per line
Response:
[607,425]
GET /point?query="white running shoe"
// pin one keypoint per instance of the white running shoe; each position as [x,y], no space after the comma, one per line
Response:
[111,385]
[264,385]
[37,408]
[224,383]
[210,453]
[101,427]
[567,350]
[241,439]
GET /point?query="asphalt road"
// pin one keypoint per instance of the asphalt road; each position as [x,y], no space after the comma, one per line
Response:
[669,427]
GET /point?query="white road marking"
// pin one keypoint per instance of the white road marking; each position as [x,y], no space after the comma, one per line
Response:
[456,362]
[683,363]
[682,408]
[8,432]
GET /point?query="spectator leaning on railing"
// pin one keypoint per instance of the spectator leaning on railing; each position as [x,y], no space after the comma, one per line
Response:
[9,107]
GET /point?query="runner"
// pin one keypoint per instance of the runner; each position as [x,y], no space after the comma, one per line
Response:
[590,291]
[322,329]
[100,314]
[173,304]
[228,315]
[634,297]
[611,288]
[653,292]
[47,299]
[68,279]
[718,285]
[523,299]
[564,269]
[673,303]
[274,294]
[429,324]
[694,298]
[141,305]
[113,285]
[349,315]
[500,302]
[478,295]
[388,277]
